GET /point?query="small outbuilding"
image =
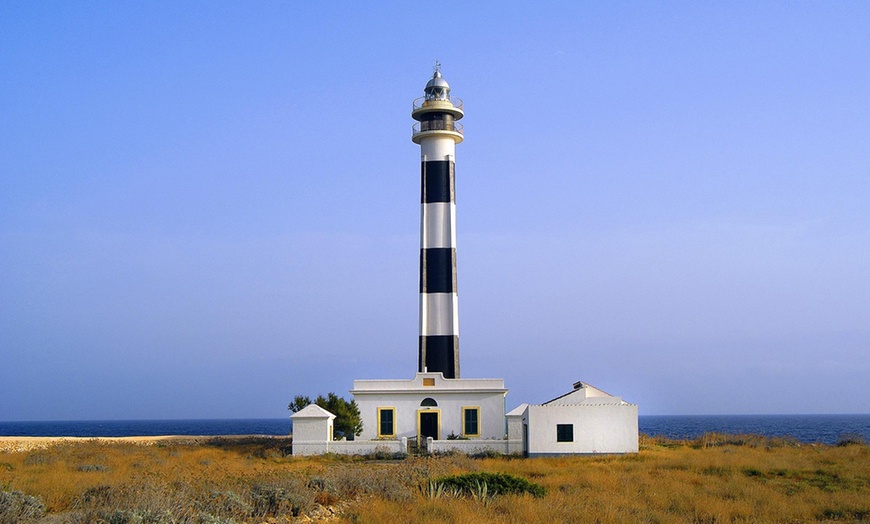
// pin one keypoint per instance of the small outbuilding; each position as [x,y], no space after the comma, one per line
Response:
[312,430]
[583,421]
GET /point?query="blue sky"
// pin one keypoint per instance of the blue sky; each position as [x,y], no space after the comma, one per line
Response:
[207,208]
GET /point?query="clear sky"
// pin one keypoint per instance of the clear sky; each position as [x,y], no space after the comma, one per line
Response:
[207,208]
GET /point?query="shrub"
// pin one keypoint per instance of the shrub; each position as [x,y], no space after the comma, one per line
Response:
[96,496]
[489,484]
[281,498]
[18,507]
[486,453]
[225,503]
[92,467]
[40,458]
[348,482]
[851,439]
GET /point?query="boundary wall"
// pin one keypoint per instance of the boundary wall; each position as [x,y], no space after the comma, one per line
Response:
[473,447]
[350,447]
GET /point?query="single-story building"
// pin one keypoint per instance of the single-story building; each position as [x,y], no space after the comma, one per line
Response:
[430,405]
[583,421]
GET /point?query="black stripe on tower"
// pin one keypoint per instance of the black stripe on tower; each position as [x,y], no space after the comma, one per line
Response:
[440,351]
[437,181]
[438,270]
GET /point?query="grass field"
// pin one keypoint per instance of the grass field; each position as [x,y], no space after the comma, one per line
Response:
[716,479]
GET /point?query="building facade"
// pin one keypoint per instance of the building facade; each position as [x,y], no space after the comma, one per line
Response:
[430,405]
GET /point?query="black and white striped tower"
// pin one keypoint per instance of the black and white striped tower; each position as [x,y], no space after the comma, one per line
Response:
[437,132]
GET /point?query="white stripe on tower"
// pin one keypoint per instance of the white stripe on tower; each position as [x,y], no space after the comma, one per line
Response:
[438,133]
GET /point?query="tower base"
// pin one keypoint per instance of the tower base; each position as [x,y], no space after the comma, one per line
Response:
[439,353]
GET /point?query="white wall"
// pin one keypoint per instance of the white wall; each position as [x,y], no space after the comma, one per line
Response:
[312,429]
[492,421]
[601,428]
[349,447]
[515,429]
[450,394]
[472,447]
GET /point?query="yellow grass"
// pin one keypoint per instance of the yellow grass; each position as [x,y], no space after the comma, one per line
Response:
[713,480]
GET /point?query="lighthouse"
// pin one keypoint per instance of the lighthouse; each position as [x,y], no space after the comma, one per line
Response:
[436,410]
[437,132]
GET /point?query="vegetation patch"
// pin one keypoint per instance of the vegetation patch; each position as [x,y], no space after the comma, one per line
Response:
[40,458]
[284,498]
[708,440]
[853,514]
[383,453]
[822,479]
[485,454]
[753,472]
[92,467]
[716,471]
[482,485]
[18,507]
[851,439]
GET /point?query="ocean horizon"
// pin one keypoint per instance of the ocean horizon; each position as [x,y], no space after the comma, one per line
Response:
[827,429]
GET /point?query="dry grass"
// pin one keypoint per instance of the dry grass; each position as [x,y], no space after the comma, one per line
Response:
[715,479]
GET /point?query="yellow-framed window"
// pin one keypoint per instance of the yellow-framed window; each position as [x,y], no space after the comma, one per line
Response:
[471,421]
[386,422]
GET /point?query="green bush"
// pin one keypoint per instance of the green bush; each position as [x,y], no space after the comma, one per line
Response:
[490,484]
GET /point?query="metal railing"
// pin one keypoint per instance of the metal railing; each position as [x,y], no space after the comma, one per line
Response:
[418,102]
[416,129]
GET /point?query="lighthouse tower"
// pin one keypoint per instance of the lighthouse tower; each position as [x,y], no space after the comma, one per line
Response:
[436,405]
[437,131]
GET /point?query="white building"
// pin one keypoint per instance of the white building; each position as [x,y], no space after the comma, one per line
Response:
[585,420]
[312,430]
[430,405]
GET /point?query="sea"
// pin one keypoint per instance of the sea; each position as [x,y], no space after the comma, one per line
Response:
[827,429]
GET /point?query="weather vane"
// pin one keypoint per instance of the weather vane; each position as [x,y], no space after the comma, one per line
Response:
[437,66]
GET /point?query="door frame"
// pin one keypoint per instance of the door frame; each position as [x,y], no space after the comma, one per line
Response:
[437,413]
